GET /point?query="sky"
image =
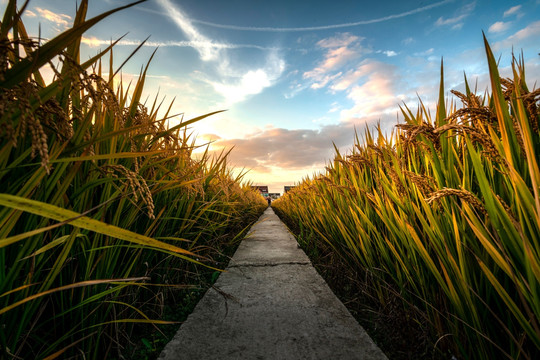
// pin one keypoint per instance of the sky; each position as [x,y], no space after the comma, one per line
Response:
[298,77]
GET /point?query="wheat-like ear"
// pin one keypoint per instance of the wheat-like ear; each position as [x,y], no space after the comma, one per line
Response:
[464,195]
[136,183]
[425,183]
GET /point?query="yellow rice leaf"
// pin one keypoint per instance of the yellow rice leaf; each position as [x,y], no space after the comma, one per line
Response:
[75,219]
[17,289]
[50,245]
[13,239]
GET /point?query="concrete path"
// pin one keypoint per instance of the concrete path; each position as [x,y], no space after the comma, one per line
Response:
[270,304]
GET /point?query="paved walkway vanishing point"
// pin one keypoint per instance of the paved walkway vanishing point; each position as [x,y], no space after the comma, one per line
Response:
[270,304]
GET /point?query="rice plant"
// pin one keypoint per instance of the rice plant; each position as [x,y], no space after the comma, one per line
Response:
[446,211]
[102,206]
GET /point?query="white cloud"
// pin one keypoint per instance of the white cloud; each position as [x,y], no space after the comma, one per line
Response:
[456,22]
[340,50]
[336,57]
[408,41]
[30,13]
[343,39]
[232,83]
[351,77]
[450,21]
[335,107]
[521,37]
[207,53]
[532,29]
[93,41]
[425,53]
[323,80]
[251,82]
[498,27]
[61,20]
[294,89]
[512,11]
[377,94]
[390,53]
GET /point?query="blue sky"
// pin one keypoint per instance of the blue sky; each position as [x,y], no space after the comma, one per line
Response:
[297,76]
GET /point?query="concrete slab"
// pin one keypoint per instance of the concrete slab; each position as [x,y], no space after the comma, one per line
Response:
[270,304]
[268,243]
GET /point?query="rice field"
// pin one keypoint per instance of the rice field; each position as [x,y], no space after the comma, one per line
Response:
[105,212]
[444,212]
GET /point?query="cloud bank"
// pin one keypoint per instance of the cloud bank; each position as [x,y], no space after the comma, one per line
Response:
[284,149]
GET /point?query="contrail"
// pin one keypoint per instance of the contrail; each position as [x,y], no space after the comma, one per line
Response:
[323,27]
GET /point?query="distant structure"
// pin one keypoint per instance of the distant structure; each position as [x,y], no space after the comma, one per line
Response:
[287,188]
[274,196]
[262,189]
